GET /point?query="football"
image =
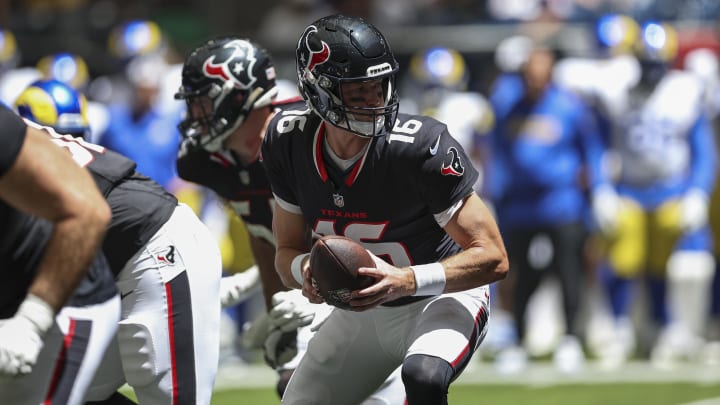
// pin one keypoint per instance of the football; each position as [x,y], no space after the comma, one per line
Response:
[334,261]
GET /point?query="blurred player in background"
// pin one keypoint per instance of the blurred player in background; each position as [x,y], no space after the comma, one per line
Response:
[663,161]
[72,70]
[230,88]
[56,316]
[165,262]
[546,155]
[340,163]
[704,64]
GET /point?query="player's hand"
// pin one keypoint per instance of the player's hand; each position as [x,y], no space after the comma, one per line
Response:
[309,290]
[606,207]
[236,288]
[291,310]
[280,347]
[390,284]
[21,337]
[694,210]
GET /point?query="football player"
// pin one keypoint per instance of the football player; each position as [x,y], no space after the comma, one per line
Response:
[544,142]
[165,262]
[655,218]
[345,162]
[56,317]
[230,88]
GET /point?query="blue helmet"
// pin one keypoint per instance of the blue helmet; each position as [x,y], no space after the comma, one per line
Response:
[440,67]
[67,67]
[136,38]
[55,104]
[617,34]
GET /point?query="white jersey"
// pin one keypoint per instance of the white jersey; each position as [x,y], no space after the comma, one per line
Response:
[652,137]
[650,133]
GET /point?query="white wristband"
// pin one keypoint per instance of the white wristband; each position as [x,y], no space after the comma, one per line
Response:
[429,279]
[296,267]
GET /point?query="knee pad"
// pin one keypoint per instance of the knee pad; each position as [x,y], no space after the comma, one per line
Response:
[426,379]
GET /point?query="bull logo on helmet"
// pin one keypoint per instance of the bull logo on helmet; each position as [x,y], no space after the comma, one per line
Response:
[319,51]
[236,68]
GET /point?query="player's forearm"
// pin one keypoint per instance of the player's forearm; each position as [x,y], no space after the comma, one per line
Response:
[283,263]
[264,254]
[474,267]
[72,246]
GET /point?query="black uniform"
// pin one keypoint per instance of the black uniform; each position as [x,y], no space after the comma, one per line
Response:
[140,206]
[24,238]
[245,187]
[387,199]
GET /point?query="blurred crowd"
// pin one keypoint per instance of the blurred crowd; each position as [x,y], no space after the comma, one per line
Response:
[600,167]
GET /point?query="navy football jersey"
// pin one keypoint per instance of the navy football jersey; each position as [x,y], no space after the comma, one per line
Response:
[140,206]
[387,200]
[244,187]
[24,237]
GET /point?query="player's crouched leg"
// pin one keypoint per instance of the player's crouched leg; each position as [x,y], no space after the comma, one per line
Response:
[169,333]
[426,379]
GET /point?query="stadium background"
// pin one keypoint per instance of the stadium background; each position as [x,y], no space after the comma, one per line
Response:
[474,28]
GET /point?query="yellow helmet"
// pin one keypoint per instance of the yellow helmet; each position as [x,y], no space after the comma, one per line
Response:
[54,104]
[135,38]
[440,67]
[617,34]
[9,52]
[65,67]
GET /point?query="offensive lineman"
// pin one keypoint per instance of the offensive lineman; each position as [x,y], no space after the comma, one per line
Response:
[165,262]
[56,316]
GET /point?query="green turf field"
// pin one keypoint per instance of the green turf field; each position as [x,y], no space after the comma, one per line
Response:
[635,383]
[615,394]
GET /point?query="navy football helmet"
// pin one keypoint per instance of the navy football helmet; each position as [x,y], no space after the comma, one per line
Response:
[222,81]
[55,104]
[336,50]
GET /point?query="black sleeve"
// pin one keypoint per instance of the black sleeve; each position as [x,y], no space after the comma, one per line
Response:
[12,137]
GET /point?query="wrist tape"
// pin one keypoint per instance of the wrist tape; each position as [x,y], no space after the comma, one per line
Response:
[429,279]
[296,267]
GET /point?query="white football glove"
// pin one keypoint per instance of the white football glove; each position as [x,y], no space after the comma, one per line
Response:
[291,310]
[255,332]
[605,208]
[280,347]
[21,337]
[238,287]
[694,210]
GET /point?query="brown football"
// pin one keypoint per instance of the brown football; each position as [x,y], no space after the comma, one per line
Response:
[334,261]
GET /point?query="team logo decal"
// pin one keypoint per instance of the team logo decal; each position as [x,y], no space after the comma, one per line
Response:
[338,200]
[455,168]
[318,51]
[169,257]
[236,68]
